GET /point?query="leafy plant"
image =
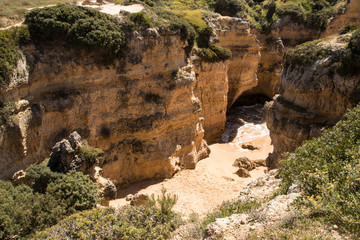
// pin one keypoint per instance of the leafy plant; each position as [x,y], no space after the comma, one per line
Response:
[76,190]
[328,171]
[10,52]
[90,155]
[81,26]
[215,53]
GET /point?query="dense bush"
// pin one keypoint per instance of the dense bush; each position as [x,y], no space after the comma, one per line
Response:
[306,53]
[22,212]
[90,155]
[349,63]
[41,175]
[6,113]
[348,28]
[229,7]
[140,20]
[10,52]
[84,27]
[328,171]
[76,190]
[215,53]
[128,222]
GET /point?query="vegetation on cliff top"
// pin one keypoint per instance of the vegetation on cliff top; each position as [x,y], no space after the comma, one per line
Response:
[328,171]
[344,60]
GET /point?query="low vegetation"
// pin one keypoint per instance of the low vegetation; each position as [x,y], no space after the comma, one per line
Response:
[7,113]
[346,61]
[156,220]
[328,171]
[10,52]
[12,11]
[23,211]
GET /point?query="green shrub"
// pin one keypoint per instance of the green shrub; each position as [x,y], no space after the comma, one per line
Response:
[7,113]
[229,7]
[328,171]
[41,175]
[22,212]
[215,53]
[128,222]
[349,62]
[295,12]
[76,190]
[166,202]
[84,27]
[306,54]
[90,155]
[140,20]
[10,52]
[348,28]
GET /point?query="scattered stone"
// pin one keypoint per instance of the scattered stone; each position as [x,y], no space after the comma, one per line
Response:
[249,146]
[20,178]
[259,162]
[228,179]
[242,172]
[107,187]
[139,199]
[129,197]
[244,162]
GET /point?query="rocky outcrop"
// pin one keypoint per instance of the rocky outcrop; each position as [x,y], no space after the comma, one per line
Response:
[311,97]
[350,16]
[235,34]
[141,110]
[212,88]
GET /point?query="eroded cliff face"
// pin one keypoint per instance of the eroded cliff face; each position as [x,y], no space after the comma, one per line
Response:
[235,34]
[349,17]
[142,111]
[310,99]
[212,88]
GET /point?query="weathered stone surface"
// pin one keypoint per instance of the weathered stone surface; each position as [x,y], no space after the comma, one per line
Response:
[139,199]
[309,100]
[244,162]
[107,188]
[212,89]
[147,119]
[349,17]
[243,172]
[235,34]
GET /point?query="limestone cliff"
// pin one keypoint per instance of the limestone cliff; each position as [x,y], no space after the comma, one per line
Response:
[141,110]
[235,34]
[314,93]
[212,88]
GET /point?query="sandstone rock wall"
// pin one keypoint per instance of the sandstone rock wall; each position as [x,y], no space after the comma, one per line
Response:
[212,89]
[349,17]
[309,100]
[235,34]
[142,111]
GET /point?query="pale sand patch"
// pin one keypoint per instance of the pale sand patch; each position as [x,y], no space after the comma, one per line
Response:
[213,181]
[204,188]
[114,9]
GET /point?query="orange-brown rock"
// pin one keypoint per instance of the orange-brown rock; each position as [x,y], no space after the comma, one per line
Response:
[141,110]
[235,34]
[312,97]
[349,17]
[212,89]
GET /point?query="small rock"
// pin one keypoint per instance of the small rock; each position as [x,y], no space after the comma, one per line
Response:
[242,172]
[129,197]
[249,146]
[335,227]
[139,199]
[244,162]
[20,177]
[260,162]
